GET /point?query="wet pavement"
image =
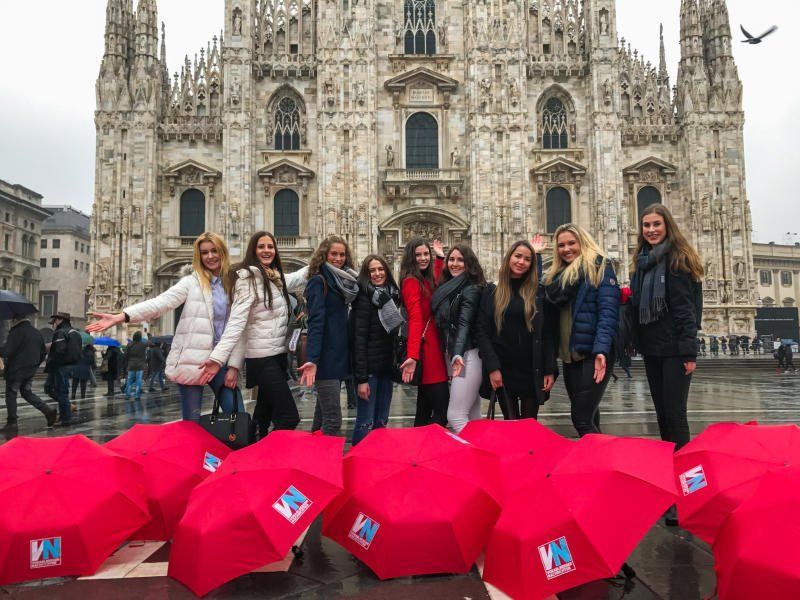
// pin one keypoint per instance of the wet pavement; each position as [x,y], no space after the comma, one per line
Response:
[669,562]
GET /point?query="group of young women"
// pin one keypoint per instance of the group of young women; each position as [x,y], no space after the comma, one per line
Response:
[464,338]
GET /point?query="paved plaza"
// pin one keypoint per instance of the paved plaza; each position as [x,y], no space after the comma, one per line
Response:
[670,563]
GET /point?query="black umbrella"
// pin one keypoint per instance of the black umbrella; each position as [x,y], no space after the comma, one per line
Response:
[161,339]
[13,304]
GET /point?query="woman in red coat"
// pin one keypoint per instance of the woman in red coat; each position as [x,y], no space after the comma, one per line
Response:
[418,277]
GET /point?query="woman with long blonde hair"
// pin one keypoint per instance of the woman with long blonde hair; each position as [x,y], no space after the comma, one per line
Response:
[582,303]
[513,337]
[204,295]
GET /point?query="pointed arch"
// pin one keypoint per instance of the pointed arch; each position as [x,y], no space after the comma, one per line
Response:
[556,118]
[286,119]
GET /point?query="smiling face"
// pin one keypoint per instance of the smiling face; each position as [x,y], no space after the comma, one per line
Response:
[455,263]
[422,255]
[337,255]
[654,229]
[209,255]
[377,274]
[568,247]
[265,251]
[520,262]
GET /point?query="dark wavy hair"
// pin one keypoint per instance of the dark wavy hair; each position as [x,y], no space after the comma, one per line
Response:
[409,268]
[683,256]
[472,266]
[320,256]
[251,260]
[365,280]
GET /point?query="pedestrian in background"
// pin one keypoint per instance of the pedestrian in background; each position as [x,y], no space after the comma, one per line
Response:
[63,355]
[136,354]
[112,360]
[82,372]
[157,363]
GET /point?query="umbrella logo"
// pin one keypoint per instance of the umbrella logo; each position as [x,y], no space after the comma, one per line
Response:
[45,552]
[363,530]
[556,558]
[693,480]
[211,463]
[292,504]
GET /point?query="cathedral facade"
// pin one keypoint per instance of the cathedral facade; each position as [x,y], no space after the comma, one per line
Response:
[482,121]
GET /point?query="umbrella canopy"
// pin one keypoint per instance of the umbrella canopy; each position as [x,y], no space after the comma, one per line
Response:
[722,466]
[526,449]
[161,339]
[416,501]
[250,512]
[175,457]
[105,341]
[68,504]
[756,551]
[86,339]
[13,304]
[580,522]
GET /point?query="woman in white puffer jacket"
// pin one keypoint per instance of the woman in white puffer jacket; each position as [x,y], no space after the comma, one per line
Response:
[260,315]
[204,295]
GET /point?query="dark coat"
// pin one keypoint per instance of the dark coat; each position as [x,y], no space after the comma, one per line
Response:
[24,351]
[82,369]
[327,345]
[157,359]
[373,346]
[112,362]
[65,348]
[543,352]
[675,332]
[136,356]
[455,319]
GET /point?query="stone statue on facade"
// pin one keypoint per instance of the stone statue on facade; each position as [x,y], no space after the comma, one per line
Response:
[389,156]
[455,158]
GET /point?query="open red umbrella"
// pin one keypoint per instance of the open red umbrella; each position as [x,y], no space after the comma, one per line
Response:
[68,504]
[580,522]
[416,501]
[723,465]
[175,457]
[526,448]
[250,512]
[757,550]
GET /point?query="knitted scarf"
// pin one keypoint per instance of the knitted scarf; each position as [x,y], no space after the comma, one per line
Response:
[561,296]
[649,282]
[345,282]
[386,298]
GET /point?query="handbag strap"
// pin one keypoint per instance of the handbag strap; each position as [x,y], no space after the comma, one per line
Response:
[425,330]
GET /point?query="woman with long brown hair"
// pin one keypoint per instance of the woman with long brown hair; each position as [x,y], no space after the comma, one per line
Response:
[515,342]
[668,307]
[259,319]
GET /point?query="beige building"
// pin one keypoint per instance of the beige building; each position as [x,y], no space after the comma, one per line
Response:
[778,270]
[65,263]
[381,120]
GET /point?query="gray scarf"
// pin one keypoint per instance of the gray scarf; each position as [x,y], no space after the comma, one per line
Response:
[650,282]
[345,282]
[386,299]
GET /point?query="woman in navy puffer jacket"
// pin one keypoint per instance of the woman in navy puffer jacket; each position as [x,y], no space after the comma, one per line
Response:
[582,302]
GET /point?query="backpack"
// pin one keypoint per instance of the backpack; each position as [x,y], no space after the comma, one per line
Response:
[74,351]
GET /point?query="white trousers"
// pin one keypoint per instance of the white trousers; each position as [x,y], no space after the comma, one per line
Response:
[465,403]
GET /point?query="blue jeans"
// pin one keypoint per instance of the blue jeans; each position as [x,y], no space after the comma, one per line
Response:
[61,388]
[134,379]
[373,413]
[157,376]
[192,397]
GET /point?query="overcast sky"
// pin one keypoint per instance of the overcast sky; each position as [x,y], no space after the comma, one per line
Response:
[50,64]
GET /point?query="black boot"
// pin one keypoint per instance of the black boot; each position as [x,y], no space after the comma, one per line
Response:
[10,427]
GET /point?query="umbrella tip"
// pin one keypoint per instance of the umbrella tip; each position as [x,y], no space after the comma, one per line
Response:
[530,451]
[413,464]
[47,472]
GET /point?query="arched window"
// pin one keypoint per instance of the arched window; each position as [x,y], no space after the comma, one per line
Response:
[287,125]
[558,208]
[422,142]
[647,195]
[26,285]
[193,213]
[554,125]
[287,214]
[420,27]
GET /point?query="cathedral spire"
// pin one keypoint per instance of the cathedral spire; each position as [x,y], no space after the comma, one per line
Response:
[691,32]
[663,75]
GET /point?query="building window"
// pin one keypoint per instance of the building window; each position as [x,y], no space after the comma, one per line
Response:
[422,142]
[287,213]
[554,125]
[558,208]
[47,304]
[420,27]
[75,265]
[55,263]
[43,262]
[766,277]
[786,278]
[56,244]
[193,213]
[647,195]
[77,245]
[8,217]
[43,243]
[287,125]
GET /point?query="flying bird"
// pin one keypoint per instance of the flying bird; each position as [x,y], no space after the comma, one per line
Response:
[756,40]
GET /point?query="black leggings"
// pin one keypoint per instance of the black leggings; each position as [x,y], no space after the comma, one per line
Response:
[432,402]
[584,394]
[515,406]
[669,388]
[82,383]
[274,403]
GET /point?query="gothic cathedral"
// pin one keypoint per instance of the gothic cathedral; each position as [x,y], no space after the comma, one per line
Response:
[480,120]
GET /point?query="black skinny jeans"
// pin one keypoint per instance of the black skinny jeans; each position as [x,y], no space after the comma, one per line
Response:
[274,403]
[516,407]
[584,394]
[669,388]
[432,402]
[24,389]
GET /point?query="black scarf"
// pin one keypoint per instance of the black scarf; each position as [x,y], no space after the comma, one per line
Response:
[649,282]
[446,290]
[559,295]
[386,299]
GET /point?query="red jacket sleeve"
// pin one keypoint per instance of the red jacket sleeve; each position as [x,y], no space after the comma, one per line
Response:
[412,299]
[438,267]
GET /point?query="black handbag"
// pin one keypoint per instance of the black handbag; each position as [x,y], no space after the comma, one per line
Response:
[234,429]
[498,396]
[401,354]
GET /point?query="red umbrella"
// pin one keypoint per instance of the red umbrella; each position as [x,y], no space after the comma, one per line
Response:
[175,457]
[581,521]
[526,448]
[757,550]
[250,512]
[68,504]
[416,501]
[722,466]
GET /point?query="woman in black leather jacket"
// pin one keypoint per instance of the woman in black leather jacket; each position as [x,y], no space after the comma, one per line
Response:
[455,304]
